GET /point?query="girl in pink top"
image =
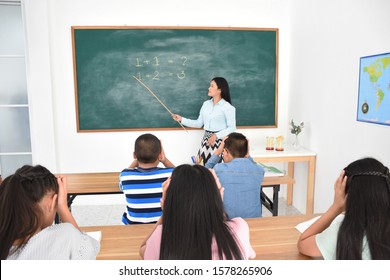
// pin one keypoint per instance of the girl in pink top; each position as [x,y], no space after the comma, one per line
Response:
[194,225]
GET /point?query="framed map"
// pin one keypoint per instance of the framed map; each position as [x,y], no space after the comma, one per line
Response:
[374,89]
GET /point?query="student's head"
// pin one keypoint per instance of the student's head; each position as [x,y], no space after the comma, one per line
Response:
[236,145]
[367,210]
[368,180]
[193,187]
[193,213]
[223,85]
[27,204]
[147,148]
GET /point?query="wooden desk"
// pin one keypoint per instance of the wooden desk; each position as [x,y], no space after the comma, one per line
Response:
[273,238]
[291,156]
[108,183]
[93,183]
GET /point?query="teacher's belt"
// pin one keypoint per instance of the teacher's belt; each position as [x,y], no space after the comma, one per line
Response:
[210,132]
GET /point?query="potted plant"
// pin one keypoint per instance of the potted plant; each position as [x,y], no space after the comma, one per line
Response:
[296,129]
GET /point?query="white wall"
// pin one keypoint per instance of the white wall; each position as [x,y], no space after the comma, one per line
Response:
[320,43]
[327,40]
[95,152]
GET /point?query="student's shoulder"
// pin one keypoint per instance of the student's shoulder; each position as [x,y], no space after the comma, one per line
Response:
[63,229]
[231,166]
[239,224]
[70,232]
[128,170]
[166,168]
[140,170]
[159,169]
[223,166]
[254,164]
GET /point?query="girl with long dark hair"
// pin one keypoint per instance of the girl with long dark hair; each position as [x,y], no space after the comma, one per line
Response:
[363,191]
[29,201]
[194,225]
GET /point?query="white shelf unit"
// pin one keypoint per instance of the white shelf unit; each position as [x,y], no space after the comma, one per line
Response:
[15,141]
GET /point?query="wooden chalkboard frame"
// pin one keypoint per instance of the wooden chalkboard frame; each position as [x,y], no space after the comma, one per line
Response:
[78,93]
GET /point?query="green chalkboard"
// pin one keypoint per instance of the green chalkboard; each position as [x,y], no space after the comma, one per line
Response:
[177,64]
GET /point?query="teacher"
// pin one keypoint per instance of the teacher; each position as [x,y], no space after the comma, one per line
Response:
[217,117]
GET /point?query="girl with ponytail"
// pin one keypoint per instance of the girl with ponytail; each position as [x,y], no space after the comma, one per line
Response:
[29,201]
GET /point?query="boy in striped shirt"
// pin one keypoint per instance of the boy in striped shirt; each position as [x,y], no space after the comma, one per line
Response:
[142,181]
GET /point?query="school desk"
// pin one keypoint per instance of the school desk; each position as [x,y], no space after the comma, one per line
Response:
[272,238]
[108,183]
[291,156]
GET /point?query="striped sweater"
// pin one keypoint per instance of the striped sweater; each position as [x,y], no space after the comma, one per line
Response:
[143,191]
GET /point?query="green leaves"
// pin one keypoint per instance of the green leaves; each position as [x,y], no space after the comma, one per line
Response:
[296,129]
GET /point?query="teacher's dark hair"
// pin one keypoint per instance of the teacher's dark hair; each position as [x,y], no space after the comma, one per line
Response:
[224,87]
[193,216]
[19,197]
[367,211]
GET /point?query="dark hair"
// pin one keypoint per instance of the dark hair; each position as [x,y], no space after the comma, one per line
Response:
[19,197]
[193,215]
[367,211]
[237,144]
[147,148]
[223,85]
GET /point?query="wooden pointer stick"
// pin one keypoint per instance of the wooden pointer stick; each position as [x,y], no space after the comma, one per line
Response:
[158,99]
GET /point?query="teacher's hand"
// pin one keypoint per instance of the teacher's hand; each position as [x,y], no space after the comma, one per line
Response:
[219,151]
[176,117]
[212,139]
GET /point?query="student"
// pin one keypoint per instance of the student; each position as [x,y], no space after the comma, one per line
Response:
[194,225]
[217,117]
[142,181]
[239,175]
[363,191]
[29,200]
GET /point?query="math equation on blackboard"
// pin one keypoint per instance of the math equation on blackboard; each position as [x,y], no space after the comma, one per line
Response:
[159,67]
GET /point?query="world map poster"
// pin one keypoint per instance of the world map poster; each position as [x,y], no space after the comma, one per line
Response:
[374,89]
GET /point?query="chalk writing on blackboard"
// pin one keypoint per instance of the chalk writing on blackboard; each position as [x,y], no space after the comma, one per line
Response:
[158,67]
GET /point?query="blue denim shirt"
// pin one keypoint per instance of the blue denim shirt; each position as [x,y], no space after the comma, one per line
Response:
[241,178]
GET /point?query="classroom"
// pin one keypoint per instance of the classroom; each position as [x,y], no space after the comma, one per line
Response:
[319,48]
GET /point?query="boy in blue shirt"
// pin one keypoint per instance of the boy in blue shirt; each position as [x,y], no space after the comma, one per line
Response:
[142,181]
[240,176]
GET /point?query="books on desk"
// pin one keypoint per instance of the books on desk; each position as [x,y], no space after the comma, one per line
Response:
[271,171]
[95,234]
[301,227]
